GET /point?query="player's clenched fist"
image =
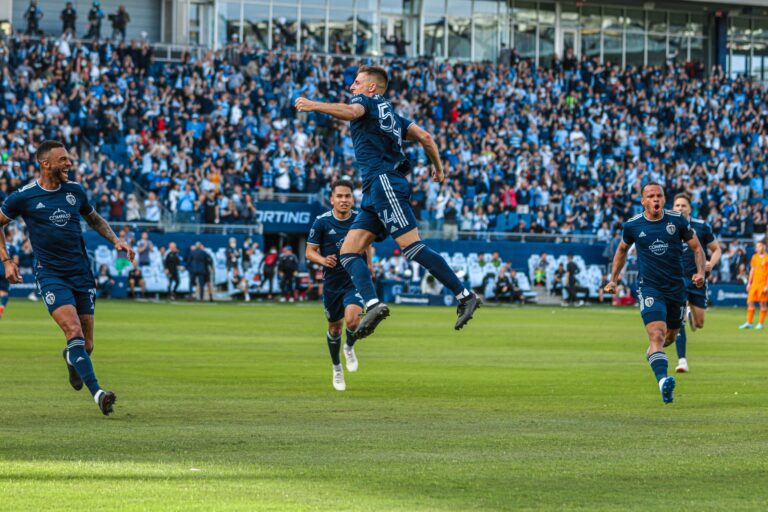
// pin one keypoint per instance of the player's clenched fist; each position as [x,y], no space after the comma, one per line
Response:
[610,287]
[698,280]
[304,105]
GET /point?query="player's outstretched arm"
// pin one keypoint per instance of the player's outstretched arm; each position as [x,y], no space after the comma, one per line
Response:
[701,261]
[102,227]
[423,137]
[619,260]
[340,111]
[10,265]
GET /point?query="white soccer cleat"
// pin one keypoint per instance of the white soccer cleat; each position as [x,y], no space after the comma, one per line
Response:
[745,325]
[338,379]
[689,316]
[351,357]
[759,327]
[682,365]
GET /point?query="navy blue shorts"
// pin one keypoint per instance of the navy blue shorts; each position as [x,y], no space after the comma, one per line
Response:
[4,284]
[57,292]
[658,307]
[696,296]
[335,302]
[386,207]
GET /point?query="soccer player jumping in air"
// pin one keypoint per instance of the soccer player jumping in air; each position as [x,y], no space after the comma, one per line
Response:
[697,296]
[52,207]
[377,134]
[342,302]
[658,235]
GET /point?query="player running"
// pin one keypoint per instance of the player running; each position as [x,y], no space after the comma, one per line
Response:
[378,133]
[4,284]
[697,297]
[342,302]
[658,235]
[52,207]
[757,287]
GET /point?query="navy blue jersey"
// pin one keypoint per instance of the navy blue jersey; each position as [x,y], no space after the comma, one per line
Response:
[53,222]
[660,250]
[329,233]
[706,237]
[378,137]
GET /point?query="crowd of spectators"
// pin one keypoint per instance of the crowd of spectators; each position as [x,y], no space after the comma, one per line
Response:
[559,149]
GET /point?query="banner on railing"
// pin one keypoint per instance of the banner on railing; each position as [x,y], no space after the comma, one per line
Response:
[277,217]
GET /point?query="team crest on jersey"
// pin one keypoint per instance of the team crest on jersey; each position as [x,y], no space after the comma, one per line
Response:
[71,199]
[312,233]
[50,298]
[671,228]
[659,247]
[60,217]
[648,302]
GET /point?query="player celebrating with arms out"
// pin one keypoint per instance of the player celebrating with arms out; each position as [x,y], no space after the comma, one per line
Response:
[697,296]
[52,208]
[378,133]
[757,286]
[658,235]
[342,302]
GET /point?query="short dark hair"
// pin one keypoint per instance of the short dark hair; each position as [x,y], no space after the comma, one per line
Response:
[45,147]
[342,183]
[682,195]
[378,72]
[652,184]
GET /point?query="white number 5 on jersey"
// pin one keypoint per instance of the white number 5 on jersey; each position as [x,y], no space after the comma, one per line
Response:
[388,123]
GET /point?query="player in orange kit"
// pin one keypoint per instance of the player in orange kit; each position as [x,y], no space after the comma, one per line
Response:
[757,287]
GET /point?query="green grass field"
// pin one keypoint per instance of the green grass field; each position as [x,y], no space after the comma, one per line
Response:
[230,407]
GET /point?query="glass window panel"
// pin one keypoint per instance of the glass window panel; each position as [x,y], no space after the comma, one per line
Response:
[459,45]
[365,33]
[760,62]
[256,25]
[546,45]
[525,12]
[738,66]
[677,22]
[635,49]
[284,27]
[229,21]
[547,13]
[657,22]
[433,7]
[612,46]
[485,6]
[695,26]
[459,8]
[590,42]
[525,40]
[485,35]
[611,18]
[338,4]
[760,28]
[394,6]
[634,19]
[340,31]
[434,37]
[678,49]
[697,49]
[739,28]
[657,50]
[591,17]
[569,16]
[313,28]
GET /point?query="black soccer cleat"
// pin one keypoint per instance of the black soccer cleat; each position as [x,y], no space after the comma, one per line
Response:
[371,320]
[106,401]
[466,308]
[74,379]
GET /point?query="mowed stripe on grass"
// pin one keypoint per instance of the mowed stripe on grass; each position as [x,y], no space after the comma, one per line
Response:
[231,407]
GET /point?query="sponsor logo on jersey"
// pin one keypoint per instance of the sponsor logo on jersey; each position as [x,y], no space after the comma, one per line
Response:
[50,298]
[671,228]
[71,198]
[60,217]
[659,247]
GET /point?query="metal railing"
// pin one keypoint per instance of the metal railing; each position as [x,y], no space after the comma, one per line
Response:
[163,227]
[429,232]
